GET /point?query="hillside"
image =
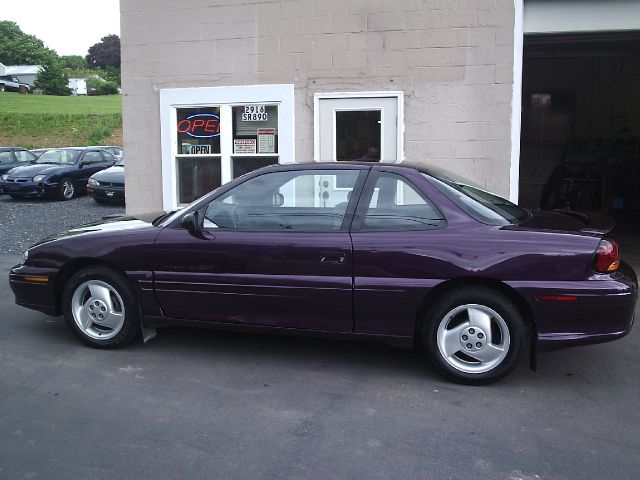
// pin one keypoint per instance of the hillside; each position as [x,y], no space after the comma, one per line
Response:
[35,121]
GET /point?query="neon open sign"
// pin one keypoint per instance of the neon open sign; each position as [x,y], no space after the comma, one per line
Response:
[200,125]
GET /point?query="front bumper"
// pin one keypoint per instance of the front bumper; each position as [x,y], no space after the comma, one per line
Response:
[106,193]
[34,288]
[29,188]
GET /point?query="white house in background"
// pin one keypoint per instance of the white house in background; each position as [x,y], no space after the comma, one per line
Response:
[25,73]
[78,86]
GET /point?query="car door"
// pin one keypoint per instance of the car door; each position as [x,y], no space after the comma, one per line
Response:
[91,162]
[399,249]
[271,251]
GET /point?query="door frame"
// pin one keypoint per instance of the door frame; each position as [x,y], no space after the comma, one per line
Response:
[398,95]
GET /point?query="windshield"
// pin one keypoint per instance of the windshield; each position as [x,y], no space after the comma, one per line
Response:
[59,157]
[480,204]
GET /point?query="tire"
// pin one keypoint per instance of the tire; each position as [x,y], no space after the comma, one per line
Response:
[1,87]
[96,291]
[474,335]
[66,189]
[15,197]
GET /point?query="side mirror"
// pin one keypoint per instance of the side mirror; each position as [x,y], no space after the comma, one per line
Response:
[190,222]
[278,199]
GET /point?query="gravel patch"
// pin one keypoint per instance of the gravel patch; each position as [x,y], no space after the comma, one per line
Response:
[24,222]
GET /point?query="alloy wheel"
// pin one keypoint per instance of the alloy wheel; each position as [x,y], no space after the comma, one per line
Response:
[473,338]
[98,309]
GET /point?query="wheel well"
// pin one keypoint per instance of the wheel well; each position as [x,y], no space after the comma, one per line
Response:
[71,268]
[447,286]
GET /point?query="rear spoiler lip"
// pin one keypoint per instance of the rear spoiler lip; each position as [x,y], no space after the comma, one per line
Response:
[595,223]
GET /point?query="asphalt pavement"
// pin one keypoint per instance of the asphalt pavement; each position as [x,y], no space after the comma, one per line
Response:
[200,404]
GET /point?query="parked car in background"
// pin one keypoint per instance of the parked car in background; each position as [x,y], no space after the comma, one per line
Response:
[114,150]
[108,185]
[61,172]
[11,157]
[9,83]
[395,253]
[39,151]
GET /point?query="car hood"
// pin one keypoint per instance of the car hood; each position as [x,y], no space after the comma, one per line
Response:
[113,174]
[36,169]
[568,221]
[110,225]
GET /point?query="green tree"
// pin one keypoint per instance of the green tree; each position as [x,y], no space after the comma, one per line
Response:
[53,79]
[73,62]
[18,48]
[106,53]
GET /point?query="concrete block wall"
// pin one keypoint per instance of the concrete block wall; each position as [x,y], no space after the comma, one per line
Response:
[453,59]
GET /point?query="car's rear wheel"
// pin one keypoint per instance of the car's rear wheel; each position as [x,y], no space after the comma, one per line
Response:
[66,189]
[101,308]
[474,335]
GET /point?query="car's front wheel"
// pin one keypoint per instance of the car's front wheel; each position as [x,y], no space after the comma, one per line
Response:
[66,189]
[101,308]
[474,335]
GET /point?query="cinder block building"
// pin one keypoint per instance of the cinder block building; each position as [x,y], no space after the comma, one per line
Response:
[504,92]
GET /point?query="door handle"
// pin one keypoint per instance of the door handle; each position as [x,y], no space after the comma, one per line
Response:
[332,257]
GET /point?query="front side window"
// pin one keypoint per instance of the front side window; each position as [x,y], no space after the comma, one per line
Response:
[92,157]
[396,205]
[282,201]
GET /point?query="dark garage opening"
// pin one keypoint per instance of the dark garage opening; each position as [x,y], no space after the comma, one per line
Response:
[580,142]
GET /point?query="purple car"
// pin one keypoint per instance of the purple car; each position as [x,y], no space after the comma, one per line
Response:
[388,252]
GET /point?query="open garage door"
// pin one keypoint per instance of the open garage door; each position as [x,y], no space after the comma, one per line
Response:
[580,137]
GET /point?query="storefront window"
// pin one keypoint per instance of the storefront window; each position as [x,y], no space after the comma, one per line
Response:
[197,176]
[211,135]
[242,165]
[198,131]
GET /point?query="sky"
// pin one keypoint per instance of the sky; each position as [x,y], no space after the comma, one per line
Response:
[69,27]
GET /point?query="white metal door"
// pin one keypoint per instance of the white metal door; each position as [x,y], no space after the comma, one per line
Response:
[359,128]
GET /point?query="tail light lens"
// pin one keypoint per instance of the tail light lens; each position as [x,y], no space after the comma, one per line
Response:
[607,256]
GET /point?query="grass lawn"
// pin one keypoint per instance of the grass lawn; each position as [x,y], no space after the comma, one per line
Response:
[34,121]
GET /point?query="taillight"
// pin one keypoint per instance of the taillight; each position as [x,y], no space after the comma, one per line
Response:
[607,256]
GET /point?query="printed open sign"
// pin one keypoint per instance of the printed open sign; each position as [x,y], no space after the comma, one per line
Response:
[200,149]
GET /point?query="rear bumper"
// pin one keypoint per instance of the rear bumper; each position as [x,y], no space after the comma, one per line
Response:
[604,310]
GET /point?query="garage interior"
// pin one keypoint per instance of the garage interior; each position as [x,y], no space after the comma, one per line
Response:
[580,140]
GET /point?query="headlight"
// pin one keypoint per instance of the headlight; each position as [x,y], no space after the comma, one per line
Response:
[38,178]
[4,177]
[93,183]
[25,256]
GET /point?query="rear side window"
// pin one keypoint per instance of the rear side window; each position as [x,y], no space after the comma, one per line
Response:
[396,205]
